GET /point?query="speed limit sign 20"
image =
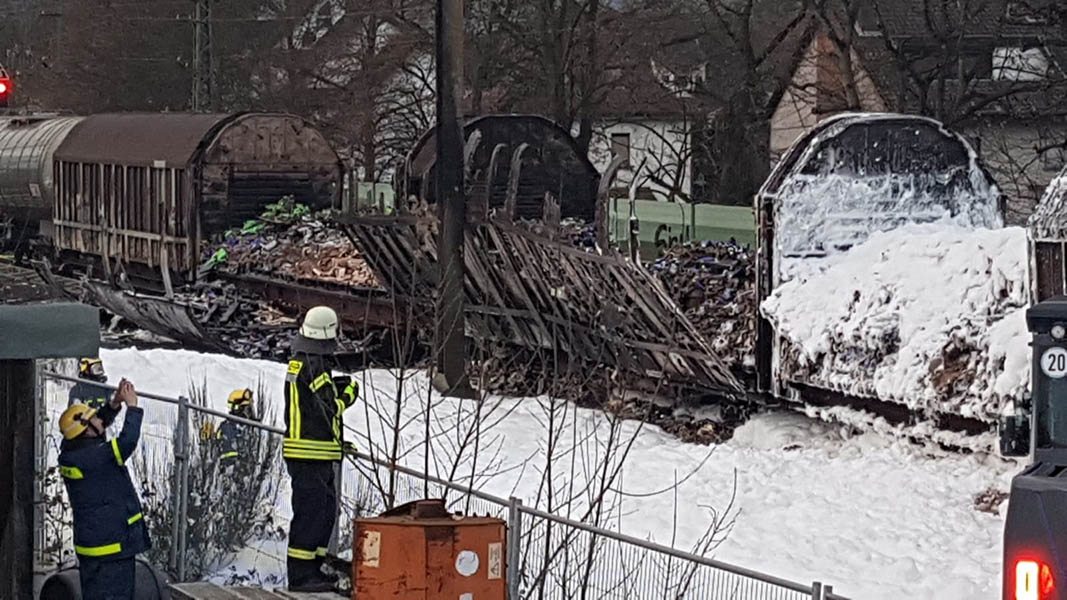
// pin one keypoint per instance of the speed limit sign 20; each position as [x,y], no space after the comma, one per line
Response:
[1054,362]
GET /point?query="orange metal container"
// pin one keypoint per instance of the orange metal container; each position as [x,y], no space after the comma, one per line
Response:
[427,554]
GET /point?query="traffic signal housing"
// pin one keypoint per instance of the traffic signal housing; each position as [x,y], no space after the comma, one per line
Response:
[5,91]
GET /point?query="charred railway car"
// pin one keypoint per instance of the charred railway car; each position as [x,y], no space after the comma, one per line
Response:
[140,191]
[851,176]
[143,190]
[524,156]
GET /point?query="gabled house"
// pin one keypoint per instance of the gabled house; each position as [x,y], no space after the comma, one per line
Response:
[993,70]
[651,118]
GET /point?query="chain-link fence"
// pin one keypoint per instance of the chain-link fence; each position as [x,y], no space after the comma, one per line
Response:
[207,517]
[202,516]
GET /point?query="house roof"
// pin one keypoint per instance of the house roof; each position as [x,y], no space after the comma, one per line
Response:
[980,18]
[888,27]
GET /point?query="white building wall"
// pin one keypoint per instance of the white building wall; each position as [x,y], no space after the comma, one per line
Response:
[666,146]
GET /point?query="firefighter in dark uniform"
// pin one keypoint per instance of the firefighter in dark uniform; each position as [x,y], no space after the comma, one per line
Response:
[231,432]
[314,406]
[109,529]
[90,371]
[227,438]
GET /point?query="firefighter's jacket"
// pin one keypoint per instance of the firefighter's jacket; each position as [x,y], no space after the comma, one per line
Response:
[89,394]
[108,523]
[314,408]
[229,438]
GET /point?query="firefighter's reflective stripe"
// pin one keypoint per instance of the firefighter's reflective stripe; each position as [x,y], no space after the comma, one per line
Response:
[320,551]
[99,550]
[134,518]
[294,411]
[320,381]
[300,554]
[337,419]
[311,449]
[228,455]
[118,454]
[71,472]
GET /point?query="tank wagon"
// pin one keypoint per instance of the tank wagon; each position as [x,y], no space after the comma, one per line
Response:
[140,191]
[528,155]
[27,145]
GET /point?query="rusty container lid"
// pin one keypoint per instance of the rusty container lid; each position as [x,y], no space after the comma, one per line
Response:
[426,513]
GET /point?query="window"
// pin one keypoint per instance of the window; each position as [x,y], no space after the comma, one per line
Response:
[620,146]
[1053,159]
[1019,12]
[1019,64]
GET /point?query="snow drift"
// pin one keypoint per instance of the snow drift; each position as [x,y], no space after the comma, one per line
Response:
[930,316]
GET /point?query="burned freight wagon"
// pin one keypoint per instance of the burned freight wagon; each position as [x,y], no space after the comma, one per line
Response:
[1047,237]
[855,177]
[526,156]
[139,192]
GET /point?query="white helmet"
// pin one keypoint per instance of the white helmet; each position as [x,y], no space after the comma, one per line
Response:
[320,323]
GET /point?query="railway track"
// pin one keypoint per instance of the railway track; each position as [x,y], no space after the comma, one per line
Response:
[24,285]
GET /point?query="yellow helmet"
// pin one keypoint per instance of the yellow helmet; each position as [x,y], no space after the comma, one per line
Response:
[75,420]
[240,398]
[91,367]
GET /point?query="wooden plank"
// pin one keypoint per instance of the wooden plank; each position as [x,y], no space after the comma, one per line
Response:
[1050,263]
[126,232]
[249,593]
[600,219]
[514,176]
[200,591]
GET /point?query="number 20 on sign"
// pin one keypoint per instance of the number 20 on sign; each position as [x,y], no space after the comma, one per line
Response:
[1054,362]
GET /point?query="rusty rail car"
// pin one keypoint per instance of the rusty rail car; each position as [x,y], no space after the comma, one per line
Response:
[856,146]
[140,191]
[521,157]
[137,192]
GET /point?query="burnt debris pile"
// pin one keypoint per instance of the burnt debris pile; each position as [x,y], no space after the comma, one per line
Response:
[290,242]
[714,283]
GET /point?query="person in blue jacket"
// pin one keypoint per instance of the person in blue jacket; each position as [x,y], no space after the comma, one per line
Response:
[91,372]
[109,528]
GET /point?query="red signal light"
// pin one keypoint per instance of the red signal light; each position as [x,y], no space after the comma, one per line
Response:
[4,86]
[1033,580]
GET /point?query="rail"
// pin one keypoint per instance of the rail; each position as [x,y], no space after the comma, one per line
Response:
[520,577]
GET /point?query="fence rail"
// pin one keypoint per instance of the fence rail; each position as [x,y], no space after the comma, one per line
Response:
[546,553]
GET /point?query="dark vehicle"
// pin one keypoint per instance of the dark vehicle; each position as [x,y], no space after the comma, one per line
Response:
[1035,533]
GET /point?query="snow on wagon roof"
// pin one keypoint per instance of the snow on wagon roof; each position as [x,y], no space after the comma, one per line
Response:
[1049,220]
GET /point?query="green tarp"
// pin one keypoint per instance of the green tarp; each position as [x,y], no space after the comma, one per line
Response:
[49,331]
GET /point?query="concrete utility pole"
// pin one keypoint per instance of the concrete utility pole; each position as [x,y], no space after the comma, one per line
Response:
[203,63]
[451,351]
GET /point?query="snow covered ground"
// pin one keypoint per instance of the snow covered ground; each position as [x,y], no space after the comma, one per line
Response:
[876,518]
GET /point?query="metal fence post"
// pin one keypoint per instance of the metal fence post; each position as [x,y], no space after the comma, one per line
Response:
[514,537]
[817,591]
[180,490]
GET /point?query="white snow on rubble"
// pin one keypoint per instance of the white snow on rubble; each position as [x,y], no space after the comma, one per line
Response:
[930,316]
[878,519]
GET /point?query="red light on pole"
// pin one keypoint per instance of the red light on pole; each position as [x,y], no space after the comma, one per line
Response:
[5,91]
